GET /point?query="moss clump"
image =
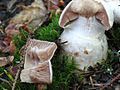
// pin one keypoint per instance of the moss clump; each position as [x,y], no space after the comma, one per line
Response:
[63,73]
[50,32]
[19,41]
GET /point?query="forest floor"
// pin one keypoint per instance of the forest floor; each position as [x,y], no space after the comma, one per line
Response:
[104,76]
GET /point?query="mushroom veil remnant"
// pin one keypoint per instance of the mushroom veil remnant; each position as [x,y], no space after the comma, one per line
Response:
[84,23]
[37,67]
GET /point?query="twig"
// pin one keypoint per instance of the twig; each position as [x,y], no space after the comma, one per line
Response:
[16,77]
[91,81]
[98,85]
[111,81]
[11,3]
[4,80]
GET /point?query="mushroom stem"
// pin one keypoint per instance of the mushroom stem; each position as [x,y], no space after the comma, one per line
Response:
[86,41]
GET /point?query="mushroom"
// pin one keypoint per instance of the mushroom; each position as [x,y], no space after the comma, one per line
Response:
[37,67]
[38,74]
[84,23]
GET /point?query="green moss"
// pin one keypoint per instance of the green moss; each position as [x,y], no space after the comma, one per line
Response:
[19,41]
[63,73]
[50,32]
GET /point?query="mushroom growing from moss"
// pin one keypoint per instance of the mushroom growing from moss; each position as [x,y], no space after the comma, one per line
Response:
[37,67]
[84,23]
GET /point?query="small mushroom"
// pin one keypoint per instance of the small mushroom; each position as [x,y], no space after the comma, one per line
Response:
[37,67]
[84,23]
[38,74]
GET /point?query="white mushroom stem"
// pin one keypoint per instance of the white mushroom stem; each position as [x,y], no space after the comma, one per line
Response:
[84,23]
[86,41]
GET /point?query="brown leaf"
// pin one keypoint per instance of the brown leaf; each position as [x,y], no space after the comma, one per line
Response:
[22,50]
[6,49]
[12,29]
[2,45]
[12,48]
[12,70]
[6,60]
[33,14]
[8,39]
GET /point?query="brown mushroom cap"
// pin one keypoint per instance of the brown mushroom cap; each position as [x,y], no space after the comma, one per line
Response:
[87,8]
[38,74]
[38,52]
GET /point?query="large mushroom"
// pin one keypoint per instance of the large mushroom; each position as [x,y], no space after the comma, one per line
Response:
[84,23]
[37,67]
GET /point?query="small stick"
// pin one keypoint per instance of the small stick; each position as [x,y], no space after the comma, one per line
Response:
[16,77]
[98,85]
[113,80]
[11,3]
[91,81]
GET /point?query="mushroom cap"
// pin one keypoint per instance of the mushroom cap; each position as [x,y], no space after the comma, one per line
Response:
[38,52]
[87,8]
[38,74]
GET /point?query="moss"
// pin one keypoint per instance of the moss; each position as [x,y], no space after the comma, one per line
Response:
[63,73]
[50,32]
[19,41]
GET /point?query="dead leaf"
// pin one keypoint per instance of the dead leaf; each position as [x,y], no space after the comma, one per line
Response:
[12,70]
[12,48]
[6,49]
[33,14]
[55,6]
[22,50]
[10,4]
[2,45]
[13,29]
[8,39]
[6,60]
